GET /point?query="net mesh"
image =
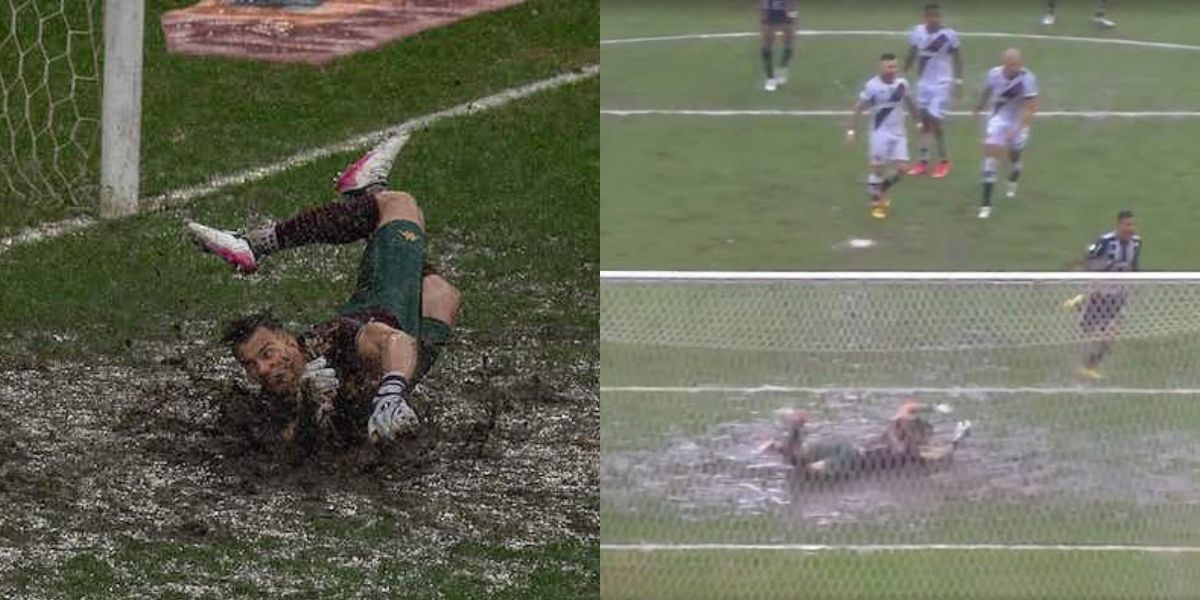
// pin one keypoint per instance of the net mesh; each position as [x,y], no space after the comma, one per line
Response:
[899,438]
[49,100]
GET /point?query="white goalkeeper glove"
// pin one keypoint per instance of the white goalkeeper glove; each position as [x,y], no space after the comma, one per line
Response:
[392,416]
[319,381]
[961,431]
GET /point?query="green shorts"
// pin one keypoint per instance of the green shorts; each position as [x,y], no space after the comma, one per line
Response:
[389,276]
[389,281]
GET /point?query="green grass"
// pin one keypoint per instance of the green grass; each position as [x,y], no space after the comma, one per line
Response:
[207,116]
[504,180]
[926,575]
[749,193]
[763,193]
[566,570]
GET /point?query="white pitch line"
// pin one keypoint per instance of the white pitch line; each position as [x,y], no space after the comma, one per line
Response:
[873,32]
[866,548]
[899,390]
[1087,114]
[187,194]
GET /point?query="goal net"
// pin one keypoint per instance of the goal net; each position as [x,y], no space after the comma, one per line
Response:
[913,435]
[49,102]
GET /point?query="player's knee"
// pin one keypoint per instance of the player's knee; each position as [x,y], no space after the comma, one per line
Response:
[399,206]
[439,299]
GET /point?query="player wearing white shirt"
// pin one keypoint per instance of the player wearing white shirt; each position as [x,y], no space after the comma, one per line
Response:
[1012,89]
[883,95]
[1100,18]
[939,78]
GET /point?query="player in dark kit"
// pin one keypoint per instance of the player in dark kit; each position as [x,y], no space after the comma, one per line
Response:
[778,17]
[384,339]
[1116,251]
[1100,18]
[907,441]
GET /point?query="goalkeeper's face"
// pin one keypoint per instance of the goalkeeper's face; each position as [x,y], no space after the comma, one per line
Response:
[272,359]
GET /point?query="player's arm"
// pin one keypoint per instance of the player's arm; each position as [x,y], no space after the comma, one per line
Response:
[1028,108]
[908,60]
[1137,256]
[956,55]
[984,96]
[852,129]
[912,110]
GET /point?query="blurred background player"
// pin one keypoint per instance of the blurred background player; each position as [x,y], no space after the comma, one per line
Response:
[778,16]
[937,46]
[883,95]
[1100,18]
[1115,251]
[1013,91]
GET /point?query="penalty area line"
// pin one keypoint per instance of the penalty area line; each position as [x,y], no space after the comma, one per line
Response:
[878,32]
[187,194]
[1086,114]
[899,390]
[868,548]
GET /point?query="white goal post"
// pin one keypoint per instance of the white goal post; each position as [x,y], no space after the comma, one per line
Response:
[121,119]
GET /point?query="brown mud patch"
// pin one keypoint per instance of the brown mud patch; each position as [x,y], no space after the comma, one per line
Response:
[170,449]
[720,474]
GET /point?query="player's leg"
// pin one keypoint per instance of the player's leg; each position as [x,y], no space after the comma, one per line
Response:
[895,152]
[1048,20]
[767,50]
[936,129]
[788,30]
[1100,18]
[334,223]
[924,97]
[440,302]
[1016,149]
[875,189]
[993,150]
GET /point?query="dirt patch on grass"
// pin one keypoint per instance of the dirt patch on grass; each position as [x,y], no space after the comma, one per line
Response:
[720,474]
[171,449]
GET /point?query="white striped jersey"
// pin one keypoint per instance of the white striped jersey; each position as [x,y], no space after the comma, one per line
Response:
[1009,95]
[884,100]
[1118,254]
[933,54]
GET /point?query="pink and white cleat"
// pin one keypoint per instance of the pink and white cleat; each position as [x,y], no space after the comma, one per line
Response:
[225,244]
[372,168]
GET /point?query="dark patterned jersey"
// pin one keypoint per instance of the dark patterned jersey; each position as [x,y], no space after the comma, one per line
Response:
[1111,253]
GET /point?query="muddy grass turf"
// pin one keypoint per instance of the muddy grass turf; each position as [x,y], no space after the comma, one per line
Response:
[132,468]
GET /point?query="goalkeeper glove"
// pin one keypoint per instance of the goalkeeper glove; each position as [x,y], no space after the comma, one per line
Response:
[1074,302]
[392,415]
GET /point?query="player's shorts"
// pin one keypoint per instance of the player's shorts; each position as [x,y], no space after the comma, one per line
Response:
[935,98]
[841,456]
[776,17]
[997,130]
[1101,310]
[390,274]
[887,147]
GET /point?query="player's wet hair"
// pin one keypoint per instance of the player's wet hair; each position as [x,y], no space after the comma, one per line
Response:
[1125,214]
[239,330]
[887,56]
[932,6]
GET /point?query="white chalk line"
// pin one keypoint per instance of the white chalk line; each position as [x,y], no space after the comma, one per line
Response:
[189,193]
[1086,114]
[877,32]
[869,548]
[964,391]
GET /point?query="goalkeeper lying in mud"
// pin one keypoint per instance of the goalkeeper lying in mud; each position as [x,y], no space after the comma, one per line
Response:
[352,374]
[907,441]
